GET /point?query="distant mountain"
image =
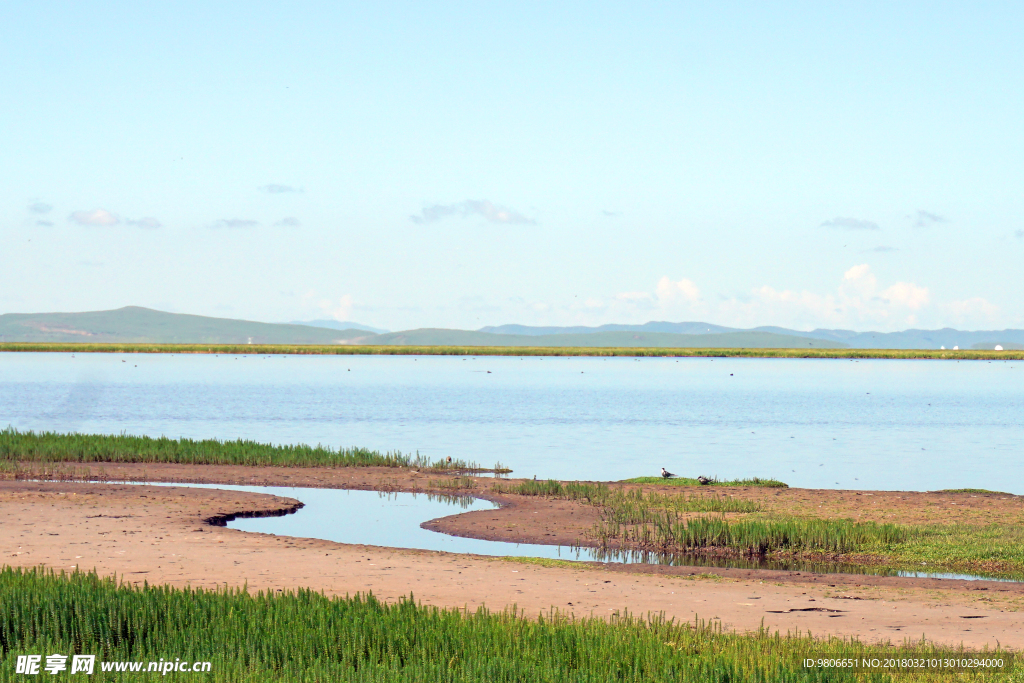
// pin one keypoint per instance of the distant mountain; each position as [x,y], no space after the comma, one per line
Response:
[335,325]
[726,340]
[144,325]
[921,339]
[908,339]
[675,328]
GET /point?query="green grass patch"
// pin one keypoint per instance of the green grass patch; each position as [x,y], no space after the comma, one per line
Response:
[49,447]
[686,481]
[672,532]
[305,636]
[998,493]
[395,350]
[994,550]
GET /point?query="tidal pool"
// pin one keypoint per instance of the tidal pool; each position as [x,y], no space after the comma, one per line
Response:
[394,520]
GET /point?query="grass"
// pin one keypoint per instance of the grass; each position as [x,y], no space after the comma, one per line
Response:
[685,481]
[456,483]
[664,523]
[998,493]
[305,636]
[672,533]
[993,550]
[390,350]
[51,447]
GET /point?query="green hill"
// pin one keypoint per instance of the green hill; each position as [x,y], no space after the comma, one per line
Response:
[133,324]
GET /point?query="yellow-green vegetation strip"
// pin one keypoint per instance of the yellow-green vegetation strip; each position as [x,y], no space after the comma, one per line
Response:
[394,350]
[995,550]
[686,481]
[628,504]
[659,522]
[305,636]
[18,446]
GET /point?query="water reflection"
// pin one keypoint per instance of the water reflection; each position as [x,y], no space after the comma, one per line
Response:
[393,519]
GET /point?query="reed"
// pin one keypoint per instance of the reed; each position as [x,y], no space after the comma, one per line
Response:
[305,636]
[44,447]
[456,483]
[394,350]
[667,531]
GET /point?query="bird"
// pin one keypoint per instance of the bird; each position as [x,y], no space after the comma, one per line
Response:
[703,481]
[449,460]
[666,474]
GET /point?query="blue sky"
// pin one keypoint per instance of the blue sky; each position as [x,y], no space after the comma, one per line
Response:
[850,165]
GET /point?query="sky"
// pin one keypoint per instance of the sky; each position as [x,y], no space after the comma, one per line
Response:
[460,164]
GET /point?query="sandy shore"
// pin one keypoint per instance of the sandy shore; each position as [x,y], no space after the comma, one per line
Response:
[163,535]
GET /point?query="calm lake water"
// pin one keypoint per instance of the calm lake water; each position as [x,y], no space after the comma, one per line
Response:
[905,425]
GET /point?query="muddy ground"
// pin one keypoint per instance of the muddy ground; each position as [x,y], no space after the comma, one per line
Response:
[168,535]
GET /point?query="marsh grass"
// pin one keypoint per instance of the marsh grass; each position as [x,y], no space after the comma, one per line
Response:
[40,447]
[686,481]
[456,483]
[305,636]
[394,350]
[672,532]
[993,550]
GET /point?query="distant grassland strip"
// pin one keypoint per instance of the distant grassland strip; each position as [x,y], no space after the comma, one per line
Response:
[44,447]
[395,350]
[629,506]
[305,636]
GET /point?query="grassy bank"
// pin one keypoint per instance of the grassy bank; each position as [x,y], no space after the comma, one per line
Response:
[305,636]
[666,523]
[686,481]
[391,350]
[48,447]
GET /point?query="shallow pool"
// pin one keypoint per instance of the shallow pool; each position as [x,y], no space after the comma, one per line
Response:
[394,520]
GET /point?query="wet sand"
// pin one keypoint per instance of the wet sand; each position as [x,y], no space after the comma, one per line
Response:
[164,535]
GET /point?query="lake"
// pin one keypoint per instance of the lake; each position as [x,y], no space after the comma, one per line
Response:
[867,424]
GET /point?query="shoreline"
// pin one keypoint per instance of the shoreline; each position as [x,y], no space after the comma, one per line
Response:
[545,520]
[540,351]
[161,535]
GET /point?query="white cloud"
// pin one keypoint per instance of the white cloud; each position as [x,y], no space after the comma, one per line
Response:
[472,207]
[289,222]
[975,312]
[339,309]
[40,207]
[859,302]
[94,217]
[670,292]
[906,295]
[850,224]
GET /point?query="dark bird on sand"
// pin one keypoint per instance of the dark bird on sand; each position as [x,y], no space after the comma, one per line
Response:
[703,481]
[666,474]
